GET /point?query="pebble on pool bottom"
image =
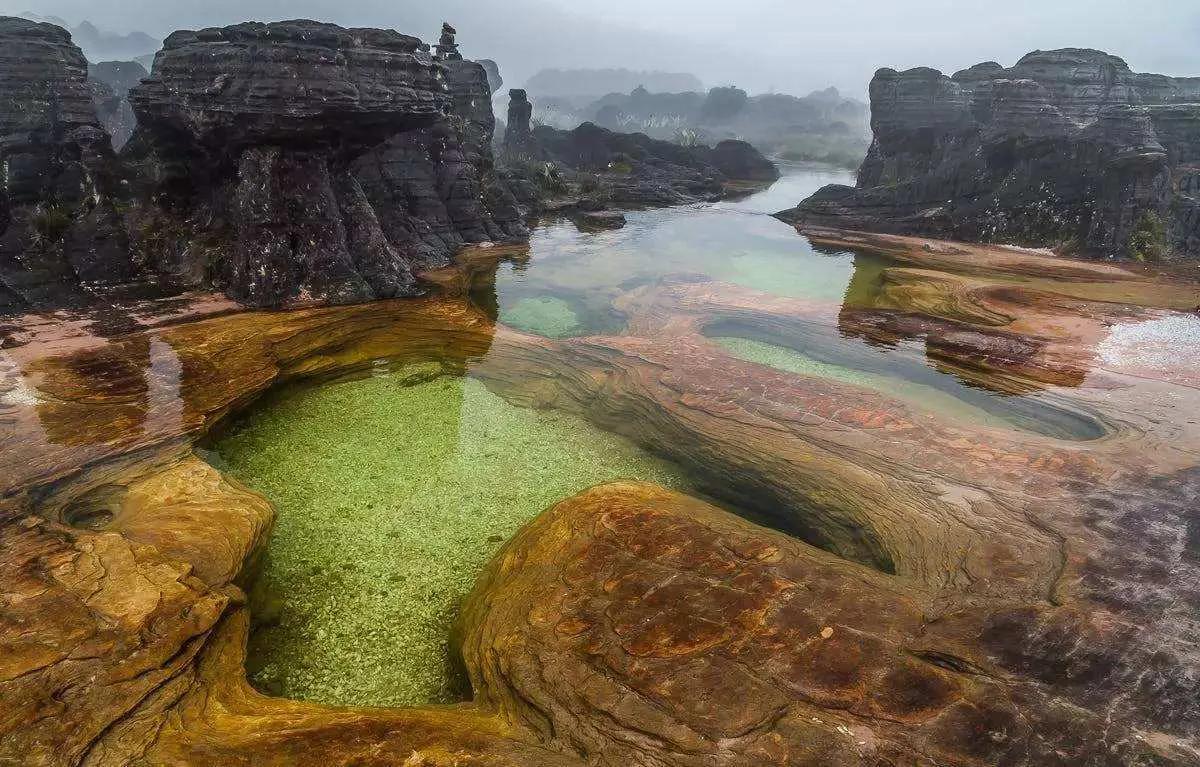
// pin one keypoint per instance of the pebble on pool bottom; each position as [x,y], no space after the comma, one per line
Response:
[391,498]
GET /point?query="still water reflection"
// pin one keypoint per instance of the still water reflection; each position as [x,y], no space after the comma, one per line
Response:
[567,286]
[569,283]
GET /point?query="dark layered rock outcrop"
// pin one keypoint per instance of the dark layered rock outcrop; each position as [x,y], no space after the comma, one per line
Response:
[625,169]
[58,220]
[246,137]
[739,160]
[284,162]
[1067,148]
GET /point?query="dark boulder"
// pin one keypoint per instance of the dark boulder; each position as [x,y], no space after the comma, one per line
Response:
[1066,148]
[592,220]
[300,161]
[741,161]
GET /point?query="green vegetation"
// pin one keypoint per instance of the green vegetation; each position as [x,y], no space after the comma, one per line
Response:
[1148,241]
[391,497]
[50,224]
[545,175]
[686,137]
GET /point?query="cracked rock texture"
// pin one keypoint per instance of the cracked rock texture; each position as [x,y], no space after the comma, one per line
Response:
[1066,148]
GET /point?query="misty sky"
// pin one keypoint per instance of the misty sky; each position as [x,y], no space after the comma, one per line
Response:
[789,46]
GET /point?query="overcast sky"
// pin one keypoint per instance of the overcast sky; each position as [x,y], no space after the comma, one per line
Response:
[790,46]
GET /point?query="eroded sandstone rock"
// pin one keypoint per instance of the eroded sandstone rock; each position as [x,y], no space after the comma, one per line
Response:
[934,591]
[1066,148]
[287,162]
[58,222]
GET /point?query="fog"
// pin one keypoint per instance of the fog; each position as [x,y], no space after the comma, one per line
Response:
[760,45]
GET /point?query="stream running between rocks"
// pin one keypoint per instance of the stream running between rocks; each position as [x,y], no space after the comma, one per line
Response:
[395,489]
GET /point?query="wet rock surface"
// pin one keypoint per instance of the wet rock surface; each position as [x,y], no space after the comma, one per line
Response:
[925,589]
[1067,148]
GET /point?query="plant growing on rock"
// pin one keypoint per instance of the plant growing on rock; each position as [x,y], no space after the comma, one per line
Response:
[1148,240]
[50,225]
[687,137]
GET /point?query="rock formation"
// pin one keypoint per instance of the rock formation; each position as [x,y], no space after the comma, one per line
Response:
[58,222]
[930,591]
[596,167]
[294,161]
[436,189]
[256,126]
[1067,148]
[517,129]
[447,48]
[110,82]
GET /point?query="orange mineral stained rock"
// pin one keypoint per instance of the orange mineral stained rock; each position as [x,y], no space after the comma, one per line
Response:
[928,591]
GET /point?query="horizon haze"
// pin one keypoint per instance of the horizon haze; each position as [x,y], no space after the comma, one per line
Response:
[759,45]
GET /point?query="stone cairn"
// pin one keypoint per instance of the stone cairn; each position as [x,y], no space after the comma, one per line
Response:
[447,49]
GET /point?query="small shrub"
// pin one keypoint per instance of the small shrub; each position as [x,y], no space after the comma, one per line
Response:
[50,224]
[687,137]
[1148,240]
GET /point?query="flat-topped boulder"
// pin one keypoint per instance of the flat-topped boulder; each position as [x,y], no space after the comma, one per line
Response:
[1067,148]
[304,162]
[292,81]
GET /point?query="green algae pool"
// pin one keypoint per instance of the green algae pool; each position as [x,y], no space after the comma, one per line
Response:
[391,497]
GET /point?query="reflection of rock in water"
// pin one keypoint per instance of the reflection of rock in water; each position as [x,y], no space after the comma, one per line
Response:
[97,391]
[1043,611]
[164,400]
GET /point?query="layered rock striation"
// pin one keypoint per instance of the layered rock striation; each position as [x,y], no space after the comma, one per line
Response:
[1066,148]
[288,162]
[338,161]
[931,590]
[58,221]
